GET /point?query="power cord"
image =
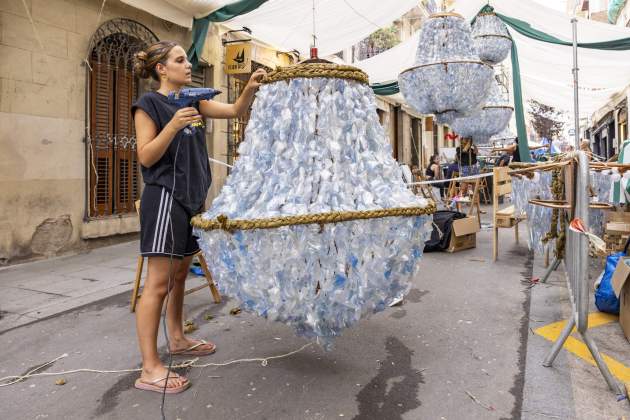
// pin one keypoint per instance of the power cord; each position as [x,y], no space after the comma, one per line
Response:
[168,287]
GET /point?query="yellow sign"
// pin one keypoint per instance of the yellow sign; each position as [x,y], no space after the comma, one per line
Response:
[238,58]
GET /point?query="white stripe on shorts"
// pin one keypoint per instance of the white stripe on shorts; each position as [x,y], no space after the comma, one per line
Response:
[167,222]
[162,222]
[157,223]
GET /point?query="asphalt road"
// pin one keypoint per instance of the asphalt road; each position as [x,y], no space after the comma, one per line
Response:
[455,349]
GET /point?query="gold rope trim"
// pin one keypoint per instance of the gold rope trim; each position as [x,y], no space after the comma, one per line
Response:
[446,64]
[317,70]
[222,222]
[445,14]
[498,107]
[492,36]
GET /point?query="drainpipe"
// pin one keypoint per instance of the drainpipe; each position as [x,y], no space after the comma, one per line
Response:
[86,143]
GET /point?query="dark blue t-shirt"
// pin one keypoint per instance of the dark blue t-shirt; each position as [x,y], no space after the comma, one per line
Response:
[192,177]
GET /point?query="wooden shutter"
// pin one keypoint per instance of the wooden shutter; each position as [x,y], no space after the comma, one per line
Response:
[101,132]
[124,156]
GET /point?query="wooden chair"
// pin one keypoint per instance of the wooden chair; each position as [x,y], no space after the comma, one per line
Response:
[503,218]
[484,191]
[135,295]
[426,190]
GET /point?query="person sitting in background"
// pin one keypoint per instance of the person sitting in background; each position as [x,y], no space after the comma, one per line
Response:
[585,146]
[513,151]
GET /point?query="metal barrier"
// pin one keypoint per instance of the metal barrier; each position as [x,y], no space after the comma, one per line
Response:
[576,267]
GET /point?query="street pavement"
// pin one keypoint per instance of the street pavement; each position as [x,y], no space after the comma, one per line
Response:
[461,346]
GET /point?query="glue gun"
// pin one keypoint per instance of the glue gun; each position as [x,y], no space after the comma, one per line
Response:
[188,96]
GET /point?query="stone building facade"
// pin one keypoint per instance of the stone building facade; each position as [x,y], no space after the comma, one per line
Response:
[68,171]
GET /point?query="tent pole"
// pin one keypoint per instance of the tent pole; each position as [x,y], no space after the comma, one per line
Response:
[575,85]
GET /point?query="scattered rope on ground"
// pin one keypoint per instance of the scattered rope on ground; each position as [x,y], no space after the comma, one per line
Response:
[13,379]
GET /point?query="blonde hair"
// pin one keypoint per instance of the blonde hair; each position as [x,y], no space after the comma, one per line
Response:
[146,61]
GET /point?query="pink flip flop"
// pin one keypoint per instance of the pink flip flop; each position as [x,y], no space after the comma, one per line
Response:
[153,385]
[194,350]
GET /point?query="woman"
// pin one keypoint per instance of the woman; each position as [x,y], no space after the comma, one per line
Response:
[433,172]
[176,173]
[466,156]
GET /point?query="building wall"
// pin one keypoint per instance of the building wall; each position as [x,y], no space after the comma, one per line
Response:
[42,120]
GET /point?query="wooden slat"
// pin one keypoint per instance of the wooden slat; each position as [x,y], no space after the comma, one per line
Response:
[503,189]
[101,127]
[502,174]
[124,162]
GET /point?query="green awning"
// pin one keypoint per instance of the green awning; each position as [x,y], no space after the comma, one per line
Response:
[200,26]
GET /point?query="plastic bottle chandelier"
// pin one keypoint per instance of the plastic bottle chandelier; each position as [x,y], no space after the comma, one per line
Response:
[448,79]
[490,120]
[491,37]
[315,227]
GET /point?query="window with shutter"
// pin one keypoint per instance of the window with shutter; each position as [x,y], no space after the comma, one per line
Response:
[114,172]
[236,126]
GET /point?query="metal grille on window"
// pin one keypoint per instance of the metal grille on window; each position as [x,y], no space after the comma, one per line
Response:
[113,87]
[236,126]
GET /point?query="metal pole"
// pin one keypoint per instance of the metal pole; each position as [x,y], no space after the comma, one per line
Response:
[601,364]
[575,85]
[557,346]
[553,267]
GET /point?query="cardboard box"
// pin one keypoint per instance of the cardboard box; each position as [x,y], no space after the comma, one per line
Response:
[618,216]
[463,234]
[618,228]
[621,285]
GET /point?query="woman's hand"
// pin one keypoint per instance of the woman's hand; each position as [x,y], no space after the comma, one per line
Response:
[184,117]
[256,78]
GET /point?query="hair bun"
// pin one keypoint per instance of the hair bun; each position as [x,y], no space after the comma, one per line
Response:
[146,60]
[140,64]
[142,56]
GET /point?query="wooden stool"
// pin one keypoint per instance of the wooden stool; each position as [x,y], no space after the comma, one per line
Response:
[135,295]
[484,191]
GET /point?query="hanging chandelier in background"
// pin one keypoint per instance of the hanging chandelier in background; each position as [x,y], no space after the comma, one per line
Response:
[491,38]
[493,118]
[448,78]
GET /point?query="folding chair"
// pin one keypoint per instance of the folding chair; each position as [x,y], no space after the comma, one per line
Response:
[135,295]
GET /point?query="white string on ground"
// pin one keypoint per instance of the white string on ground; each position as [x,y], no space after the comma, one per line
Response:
[461,178]
[220,162]
[13,379]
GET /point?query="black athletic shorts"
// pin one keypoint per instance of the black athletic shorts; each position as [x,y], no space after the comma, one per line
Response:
[158,213]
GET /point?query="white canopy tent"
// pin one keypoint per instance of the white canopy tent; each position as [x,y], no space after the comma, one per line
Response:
[546,69]
[180,12]
[288,24]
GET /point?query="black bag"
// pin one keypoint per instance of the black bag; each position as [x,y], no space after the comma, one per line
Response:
[443,223]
